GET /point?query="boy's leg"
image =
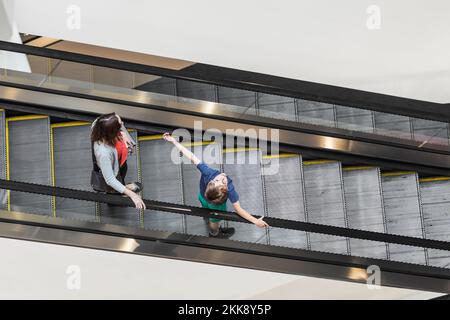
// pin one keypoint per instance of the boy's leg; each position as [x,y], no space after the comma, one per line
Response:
[213,228]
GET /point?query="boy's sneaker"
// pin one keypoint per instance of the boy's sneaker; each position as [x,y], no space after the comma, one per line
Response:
[224,233]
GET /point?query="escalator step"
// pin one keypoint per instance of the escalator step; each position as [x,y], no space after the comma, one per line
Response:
[325,203]
[3,193]
[124,215]
[72,166]
[403,213]
[191,178]
[244,167]
[285,198]
[364,203]
[435,196]
[28,156]
[161,180]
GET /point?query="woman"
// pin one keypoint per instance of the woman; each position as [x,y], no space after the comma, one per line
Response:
[110,146]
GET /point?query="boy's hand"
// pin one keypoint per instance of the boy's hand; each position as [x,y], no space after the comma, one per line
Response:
[261,223]
[168,137]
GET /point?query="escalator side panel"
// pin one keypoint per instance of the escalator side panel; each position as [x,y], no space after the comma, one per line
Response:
[403,215]
[364,205]
[325,203]
[119,215]
[314,112]
[432,131]
[29,161]
[161,180]
[244,167]
[392,125]
[278,107]
[285,198]
[354,119]
[160,85]
[237,100]
[72,166]
[196,90]
[435,197]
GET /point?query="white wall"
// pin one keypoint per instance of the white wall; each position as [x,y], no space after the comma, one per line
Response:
[9,32]
[325,41]
[31,270]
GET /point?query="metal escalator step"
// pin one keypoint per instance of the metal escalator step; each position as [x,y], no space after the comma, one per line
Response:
[364,203]
[121,215]
[3,193]
[72,166]
[161,180]
[278,107]
[354,119]
[432,131]
[191,180]
[435,196]
[392,125]
[325,203]
[314,112]
[403,214]
[28,156]
[237,100]
[196,90]
[285,198]
[244,167]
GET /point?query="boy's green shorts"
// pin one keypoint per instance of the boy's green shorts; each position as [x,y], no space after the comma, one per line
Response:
[212,206]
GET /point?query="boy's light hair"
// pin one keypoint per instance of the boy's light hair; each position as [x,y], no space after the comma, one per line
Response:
[216,194]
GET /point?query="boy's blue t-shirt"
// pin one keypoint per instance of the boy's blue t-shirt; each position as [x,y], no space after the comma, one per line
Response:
[209,174]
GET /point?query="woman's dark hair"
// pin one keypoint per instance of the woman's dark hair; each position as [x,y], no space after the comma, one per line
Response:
[106,129]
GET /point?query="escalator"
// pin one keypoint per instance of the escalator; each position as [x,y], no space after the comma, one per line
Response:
[321,191]
[332,207]
[307,111]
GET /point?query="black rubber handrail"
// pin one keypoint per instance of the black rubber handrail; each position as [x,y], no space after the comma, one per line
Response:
[230,216]
[258,82]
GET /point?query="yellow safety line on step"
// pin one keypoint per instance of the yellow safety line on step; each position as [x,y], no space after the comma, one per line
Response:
[70,124]
[399,173]
[312,162]
[431,179]
[234,150]
[147,138]
[52,161]
[354,168]
[8,192]
[282,155]
[28,117]
[197,143]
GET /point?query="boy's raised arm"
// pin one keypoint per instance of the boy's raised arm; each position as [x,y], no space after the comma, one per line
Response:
[188,154]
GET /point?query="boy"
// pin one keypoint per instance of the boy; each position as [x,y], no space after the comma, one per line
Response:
[215,189]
